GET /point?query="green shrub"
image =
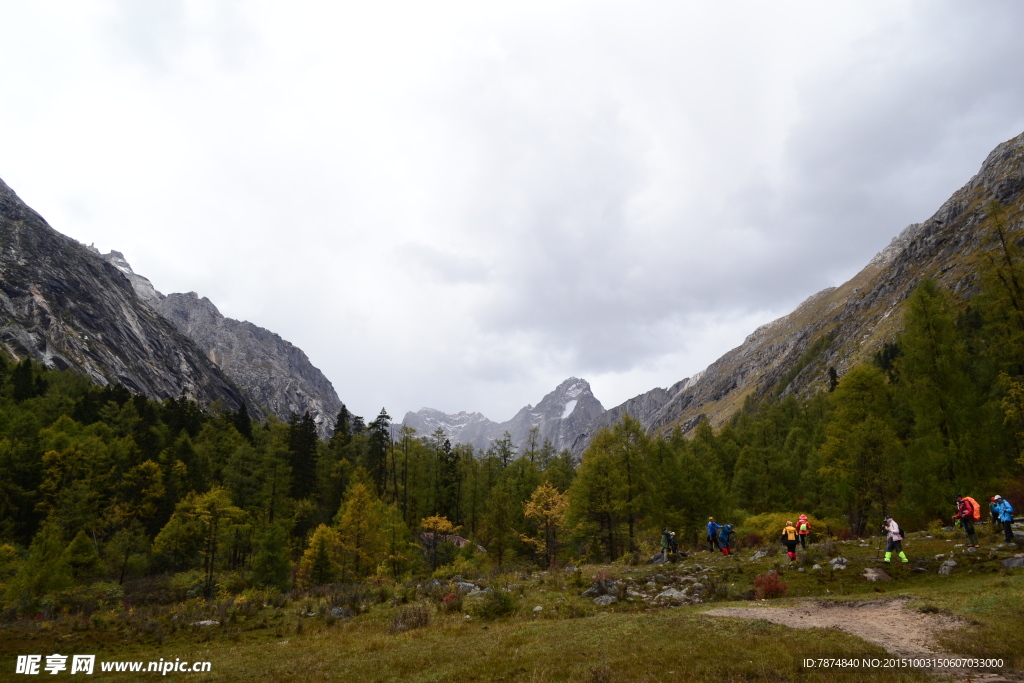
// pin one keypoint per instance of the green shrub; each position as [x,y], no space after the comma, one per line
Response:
[498,603]
[769,525]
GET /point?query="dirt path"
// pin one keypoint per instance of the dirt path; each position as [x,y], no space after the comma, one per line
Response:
[902,631]
[887,623]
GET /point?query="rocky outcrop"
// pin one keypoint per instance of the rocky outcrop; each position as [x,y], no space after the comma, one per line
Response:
[65,306]
[276,376]
[562,416]
[841,326]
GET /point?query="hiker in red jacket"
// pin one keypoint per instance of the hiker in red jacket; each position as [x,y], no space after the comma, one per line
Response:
[965,516]
[803,528]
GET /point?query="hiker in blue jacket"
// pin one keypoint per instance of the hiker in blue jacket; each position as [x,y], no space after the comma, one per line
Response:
[725,534]
[713,535]
[1005,511]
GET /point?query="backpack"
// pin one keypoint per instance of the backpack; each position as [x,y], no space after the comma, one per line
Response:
[975,508]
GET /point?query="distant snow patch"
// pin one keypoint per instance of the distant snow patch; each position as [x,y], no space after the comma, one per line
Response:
[568,408]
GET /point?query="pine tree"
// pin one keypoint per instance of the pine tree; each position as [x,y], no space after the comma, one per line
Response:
[242,422]
[302,448]
[319,563]
[546,510]
[359,531]
[83,558]
[45,570]
[270,565]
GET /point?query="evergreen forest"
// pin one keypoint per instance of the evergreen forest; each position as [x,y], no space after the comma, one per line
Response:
[102,490]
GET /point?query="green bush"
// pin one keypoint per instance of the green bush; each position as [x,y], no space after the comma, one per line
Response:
[769,525]
[498,603]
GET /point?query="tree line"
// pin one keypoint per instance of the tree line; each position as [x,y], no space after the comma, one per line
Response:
[100,485]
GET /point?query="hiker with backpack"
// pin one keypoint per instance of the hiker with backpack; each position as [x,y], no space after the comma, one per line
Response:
[666,542]
[803,528]
[725,534]
[967,512]
[893,539]
[713,535]
[1005,511]
[789,535]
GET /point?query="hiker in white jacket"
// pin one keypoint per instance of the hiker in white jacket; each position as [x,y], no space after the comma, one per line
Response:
[893,539]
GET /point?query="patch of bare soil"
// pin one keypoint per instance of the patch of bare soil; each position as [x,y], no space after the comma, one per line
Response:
[887,623]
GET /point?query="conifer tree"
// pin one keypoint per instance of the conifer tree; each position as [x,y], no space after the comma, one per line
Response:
[359,529]
[319,563]
[270,565]
[302,448]
[83,559]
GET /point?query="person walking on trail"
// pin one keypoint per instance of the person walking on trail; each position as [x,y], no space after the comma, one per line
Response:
[725,534]
[789,535]
[1005,511]
[993,504]
[965,516]
[713,535]
[893,539]
[803,528]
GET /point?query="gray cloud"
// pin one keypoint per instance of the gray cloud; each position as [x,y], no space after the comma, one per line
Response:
[461,205]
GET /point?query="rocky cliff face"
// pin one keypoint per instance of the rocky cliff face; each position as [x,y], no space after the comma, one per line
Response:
[275,375]
[65,306]
[841,326]
[562,416]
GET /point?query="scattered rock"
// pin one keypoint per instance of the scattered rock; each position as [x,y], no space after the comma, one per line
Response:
[800,569]
[660,557]
[876,574]
[538,609]
[920,570]
[465,586]
[342,613]
[570,569]
[758,555]
[605,600]
[602,587]
[940,556]
[673,596]
[816,568]
[1011,562]
[479,591]
[947,567]
[207,622]
[837,561]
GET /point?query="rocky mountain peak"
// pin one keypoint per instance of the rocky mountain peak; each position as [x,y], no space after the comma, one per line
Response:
[561,416]
[275,376]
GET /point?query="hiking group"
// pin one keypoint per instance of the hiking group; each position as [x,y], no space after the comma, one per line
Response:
[720,536]
[968,512]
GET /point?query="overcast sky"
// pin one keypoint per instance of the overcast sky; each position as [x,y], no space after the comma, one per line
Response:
[459,205]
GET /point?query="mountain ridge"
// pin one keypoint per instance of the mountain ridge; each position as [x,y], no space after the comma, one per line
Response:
[276,376]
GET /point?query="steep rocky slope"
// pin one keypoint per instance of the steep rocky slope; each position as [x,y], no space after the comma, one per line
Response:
[561,416]
[63,305]
[841,326]
[276,376]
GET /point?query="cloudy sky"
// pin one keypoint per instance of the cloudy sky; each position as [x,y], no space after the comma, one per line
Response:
[459,205]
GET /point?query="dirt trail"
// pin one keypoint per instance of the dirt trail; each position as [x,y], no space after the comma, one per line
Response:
[902,632]
[884,622]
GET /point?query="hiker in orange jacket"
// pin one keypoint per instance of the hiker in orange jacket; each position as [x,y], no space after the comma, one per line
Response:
[803,528]
[965,516]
